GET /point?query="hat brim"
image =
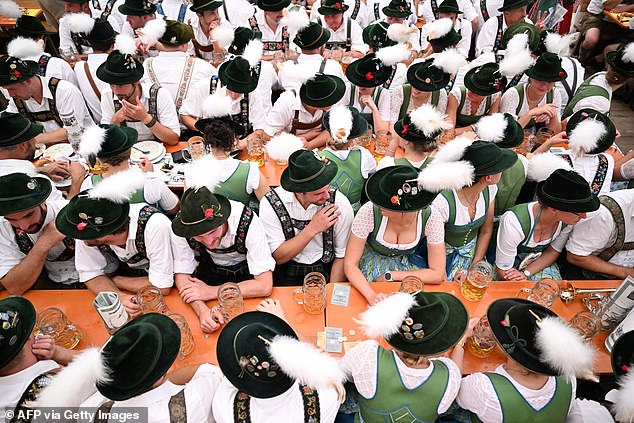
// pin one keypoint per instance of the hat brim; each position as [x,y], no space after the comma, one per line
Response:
[9,206]
[27,318]
[356,78]
[211,6]
[612,59]
[119,79]
[448,10]
[323,39]
[515,5]
[28,33]
[415,82]
[330,100]
[505,161]
[32,70]
[228,362]
[606,141]
[189,231]
[242,86]
[471,86]
[396,13]
[359,125]
[125,10]
[67,228]
[132,137]
[449,40]
[332,11]
[411,204]
[274,8]
[325,178]
[581,207]
[554,77]
[443,341]
[622,353]
[412,136]
[31,132]
[201,124]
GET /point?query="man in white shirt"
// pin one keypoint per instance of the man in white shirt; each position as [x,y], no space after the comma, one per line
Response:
[266,21]
[345,33]
[137,13]
[108,10]
[486,9]
[399,9]
[492,32]
[433,10]
[208,19]
[461,25]
[357,10]
[72,40]
[176,10]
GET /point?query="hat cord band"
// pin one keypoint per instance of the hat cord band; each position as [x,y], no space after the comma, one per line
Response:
[206,4]
[21,197]
[19,134]
[564,200]
[326,96]
[215,213]
[310,178]
[517,342]
[316,40]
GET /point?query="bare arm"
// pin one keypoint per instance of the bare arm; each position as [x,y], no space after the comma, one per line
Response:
[435,274]
[595,264]
[484,236]
[188,121]
[319,141]
[53,137]
[263,187]
[162,132]
[452,109]
[183,375]
[620,162]
[337,273]
[208,320]
[354,250]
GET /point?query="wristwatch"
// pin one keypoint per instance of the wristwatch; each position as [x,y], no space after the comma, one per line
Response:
[526,273]
[388,276]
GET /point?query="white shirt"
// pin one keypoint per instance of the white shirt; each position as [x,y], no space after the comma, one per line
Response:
[286,407]
[238,12]
[314,62]
[596,102]
[90,262]
[199,392]
[268,35]
[492,7]
[587,411]
[57,68]
[462,217]
[341,35]
[368,163]
[587,166]
[488,33]
[397,99]
[68,102]
[362,18]
[400,77]
[598,231]
[511,98]
[383,105]
[94,60]
[66,41]
[13,386]
[569,64]
[388,161]
[314,249]
[280,118]
[465,6]
[487,57]
[171,10]
[478,395]
[258,256]
[115,18]
[360,363]
[376,13]
[165,108]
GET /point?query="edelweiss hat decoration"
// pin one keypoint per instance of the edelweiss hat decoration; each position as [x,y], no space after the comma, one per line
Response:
[425,323]
[102,210]
[307,172]
[80,23]
[337,121]
[241,74]
[261,355]
[23,48]
[441,34]
[398,188]
[435,73]
[375,69]
[622,60]
[106,140]
[10,9]
[19,192]
[622,356]
[422,125]
[500,128]
[121,67]
[589,132]
[152,31]
[280,147]
[218,106]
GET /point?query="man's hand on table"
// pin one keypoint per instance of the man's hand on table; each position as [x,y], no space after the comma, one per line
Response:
[43,347]
[133,309]
[57,171]
[197,290]
[211,320]
[514,275]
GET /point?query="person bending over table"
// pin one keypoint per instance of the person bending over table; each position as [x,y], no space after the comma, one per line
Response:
[532,235]
[388,231]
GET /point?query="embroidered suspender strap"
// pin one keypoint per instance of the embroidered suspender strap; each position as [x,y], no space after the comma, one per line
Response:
[45,115]
[150,70]
[153,103]
[310,401]
[243,116]
[183,85]
[52,103]
[599,176]
[484,10]
[388,83]
[328,237]
[407,93]
[239,243]
[285,38]
[178,408]
[79,41]
[349,35]
[619,220]
[91,81]
[449,87]
[101,416]
[253,23]
[355,11]
[322,66]
[108,9]
[434,8]
[30,394]
[567,158]
[43,64]
[96,5]
[377,15]
[282,214]
[498,38]
[25,245]
[515,80]
[181,12]
[139,241]
[213,84]
[564,83]
[241,408]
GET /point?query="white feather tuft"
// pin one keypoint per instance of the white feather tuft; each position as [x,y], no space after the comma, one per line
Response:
[564,349]
[253,52]
[91,141]
[383,319]
[517,43]
[76,382]
[491,128]
[119,187]
[438,28]
[515,62]
[223,35]
[439,176]
[79,23]
[281,147]
[217,105]
[125,44]
[297,73]
[295,21]
[551,42]
[152,31]
[449,61]
[541,166]
[623,405]
[586,136]
[453,150]
[400,33]
[292,355]
[393,55]
[428,120]
[628,53]
[203,173]
[23,48]
[10,9]
[340,123]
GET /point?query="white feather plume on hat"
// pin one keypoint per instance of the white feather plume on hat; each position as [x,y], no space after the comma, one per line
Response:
[516,61]
[449,61]
[453,150]
[558,44]
[281,147]
[253,52]
[492,128]
[91,141]
[297,73]
[400,33]
[541,166]
[586,136]
[79,23]
[292,355]
[224,35]
[10,9]
[623,405]
[428,120]
[340,123]
[564,349]
[125,44]
[295,21]
[23,48]
[393,55]
[628,53]
[119,187]
[203,173]
[438,28]
[76,382]
[439,176]
[152,30]
[383,319]
[217,104]
[517,42]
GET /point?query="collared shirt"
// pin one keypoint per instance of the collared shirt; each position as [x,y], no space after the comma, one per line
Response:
[466,7]
[238,12]
[57,68]
[341,35]
[13,386]
[268,35]
[488,33]
[314,249]
[492,7]
[199,392]
[258,256]
[313,61]
[90,262]
[165,108]
[280,118]
[171,10]
[115,18]
[66,43]
[363,17]
[68,102]
[94,60]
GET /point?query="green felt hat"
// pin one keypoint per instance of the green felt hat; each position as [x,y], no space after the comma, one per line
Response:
[201,211]
[359,124]
[433,325]
[137,8]
[102,32]
[17,129]
[622,355]
[620,62]
[395,188]
[322,91]
[547,68]
[513,4]
[368,71]
[138,355]
[28,26]
[199,6]
[312,37]
[534,35]
[332,7]
[87,218]
[448,40]
[120,69]
[485,80]
[176,33]
[307,172]
[19,192]
[511,137]
[397,9]
[244,358]
[241,37]
[14,70]
[584,114]
[238,76]
[409,132]
[273,5]
[488,159]
[17,320]
[449,6]
[118,139]
[424,76]
[568,191]
[375,35]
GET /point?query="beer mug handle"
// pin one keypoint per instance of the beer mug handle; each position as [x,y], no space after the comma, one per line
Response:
[298,291]
[460,280]
[188,156]
[524,291]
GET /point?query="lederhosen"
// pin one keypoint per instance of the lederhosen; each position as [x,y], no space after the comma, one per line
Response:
[201,48]
[271,46]
[343,44]
[466,120]
[181,11]
[107,10]
[310,400]
[241,118]
[531,125]
[152,104]
[177,408]
[498,38]
[292,273]
[407,96]
[599,175]
[213,274]
[44,115]
[43,64]
[296,125]
[29,395]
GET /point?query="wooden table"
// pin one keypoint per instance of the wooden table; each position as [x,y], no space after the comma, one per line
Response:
[341,317]
[615,18]
[31,11]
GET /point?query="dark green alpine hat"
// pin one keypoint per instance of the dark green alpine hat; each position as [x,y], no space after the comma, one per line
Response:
[396,188]
[375,35]
[359,124]
[368,71]
[619,62]
[332,7]
[199,6]
[488,159]
[312,37]
[547,68]
[584,114]
[238,76]
[17,320]
[448,40]
[485,80]
[19,192]
[241,37]
[14,70]
[273,5]
[176,34]
[87,218]
[534,35]
[137,8]
[201,211]
[28,26]
[568,191]
[513,133]
[513,4]
[322,91]
[397,9]
[118,139]
[424,76]
[449,6]
[307,172]
[120,69]
[17,129]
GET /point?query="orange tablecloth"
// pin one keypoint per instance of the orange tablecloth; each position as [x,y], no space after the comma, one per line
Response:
[341,317]
[10,23]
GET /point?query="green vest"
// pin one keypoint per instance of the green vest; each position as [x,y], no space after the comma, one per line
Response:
[466,120]
[136,198]
[520,92]
[348,179]
[528,226]
[382,249]
[393,402]
[460,235]
[509,187]
[402,161]
[585,90]
[235,186]
[407,96]
[516,409]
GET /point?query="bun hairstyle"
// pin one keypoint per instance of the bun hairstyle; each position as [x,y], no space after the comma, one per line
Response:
[219,134]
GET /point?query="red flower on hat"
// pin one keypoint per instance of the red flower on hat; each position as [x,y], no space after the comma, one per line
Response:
[625,368]
[504,323]
[16,73]
[561,74]
[405,129]
[395,200]
[498,84]
[369,76]
[209,213]
[81,226]
[337,5]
